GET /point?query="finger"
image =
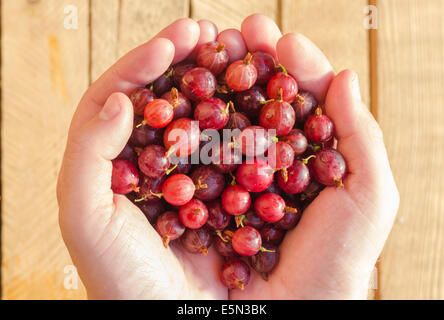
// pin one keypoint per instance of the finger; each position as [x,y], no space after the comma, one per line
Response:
[360,139]
[184,34]
[85,177]
[234,44]
[261,34]
[306,63]
[208,33]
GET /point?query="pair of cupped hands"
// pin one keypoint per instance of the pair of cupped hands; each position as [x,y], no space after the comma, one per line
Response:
[118,254]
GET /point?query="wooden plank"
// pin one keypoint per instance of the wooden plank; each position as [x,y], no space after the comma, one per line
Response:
[337,28]
[230,13]
[120,25]
[411,82]
[44,72]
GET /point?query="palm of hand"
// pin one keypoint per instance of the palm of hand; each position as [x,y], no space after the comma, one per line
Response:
[119,255]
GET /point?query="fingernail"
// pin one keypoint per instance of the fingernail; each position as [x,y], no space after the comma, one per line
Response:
[355,88]
[109,110]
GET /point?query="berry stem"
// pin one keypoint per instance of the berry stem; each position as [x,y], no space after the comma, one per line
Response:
[168,171]
[159,195]
[305,161]
[239,220]
[220,47]
[291,210]
[284,70]
[141,199]
[318,111]
[166,241]
[279,95]
[248,58]
[200,185]
[233,179]
[170,151]
[338,183]
[204,250]
[141,124]
[285,174]
[300,99]
[262,249]
[219,233]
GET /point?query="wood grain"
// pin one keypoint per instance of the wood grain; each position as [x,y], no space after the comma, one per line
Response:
[337,28]
[121,25]
[411,83]
[230,13]
[44,73]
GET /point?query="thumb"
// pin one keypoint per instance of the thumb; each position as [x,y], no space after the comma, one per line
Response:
[84,185]
[108,132]
[360,140]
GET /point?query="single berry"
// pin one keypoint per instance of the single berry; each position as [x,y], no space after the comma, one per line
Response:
[265,261]
[218,218]
[235,274]
[249,219]
[247,241]
[182,137]
[222,243]
[293,214]
[198,84]
[193,214]
[128,153]
[270,233]
[225,157]
[213,56]
[169,227]
[282,81]
[265,66]
[295,179]
[241,75]
[125,177]
[149,188]
[197,240]
[212,113]
[140,98]
[280,155]
[236,200]
[158,113]
[208,181]
[329,167]
[144,135]
[256,176]
[164,83]
[178,189]
[270,207]
[237,120]
[251,101]
[277,114]
[180,69]
[153,161]
[297,140]
[151,210]
[312,191]
[254,141]
[180,103]
[319,127]
[304,105]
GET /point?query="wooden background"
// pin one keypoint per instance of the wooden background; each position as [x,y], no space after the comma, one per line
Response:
[45,69]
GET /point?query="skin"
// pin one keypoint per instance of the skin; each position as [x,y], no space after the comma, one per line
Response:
[330,255]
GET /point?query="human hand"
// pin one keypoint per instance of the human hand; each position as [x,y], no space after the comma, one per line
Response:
[119,255]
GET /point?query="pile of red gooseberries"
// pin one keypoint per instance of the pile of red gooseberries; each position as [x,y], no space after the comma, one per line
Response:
[257,184]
